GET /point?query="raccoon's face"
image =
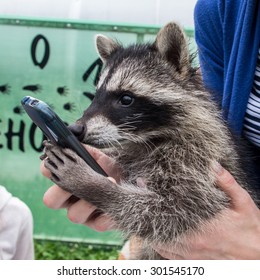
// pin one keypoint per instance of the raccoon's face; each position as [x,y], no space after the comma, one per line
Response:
[132,102]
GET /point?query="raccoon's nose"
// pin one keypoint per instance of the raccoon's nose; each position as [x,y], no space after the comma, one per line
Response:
[78,130]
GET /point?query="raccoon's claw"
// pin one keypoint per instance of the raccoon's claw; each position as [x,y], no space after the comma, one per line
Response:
[58,158]
[50,165]
[43,156]
[57,153]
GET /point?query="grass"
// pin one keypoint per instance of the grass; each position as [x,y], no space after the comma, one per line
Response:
[57,250]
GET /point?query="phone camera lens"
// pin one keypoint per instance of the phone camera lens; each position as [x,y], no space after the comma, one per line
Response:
[34,102]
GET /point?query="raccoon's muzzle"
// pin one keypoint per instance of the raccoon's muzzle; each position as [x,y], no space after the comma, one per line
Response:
[78,130]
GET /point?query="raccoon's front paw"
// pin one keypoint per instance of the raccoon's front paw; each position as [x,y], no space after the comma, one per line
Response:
[67,168]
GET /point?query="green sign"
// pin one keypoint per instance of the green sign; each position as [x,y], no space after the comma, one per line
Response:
[54,61]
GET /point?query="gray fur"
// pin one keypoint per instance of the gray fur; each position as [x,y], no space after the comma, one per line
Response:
[173,155]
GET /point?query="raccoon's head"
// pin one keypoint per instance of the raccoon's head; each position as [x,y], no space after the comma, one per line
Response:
[139,92]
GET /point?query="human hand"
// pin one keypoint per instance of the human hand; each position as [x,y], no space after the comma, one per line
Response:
[79,210]
[235,235]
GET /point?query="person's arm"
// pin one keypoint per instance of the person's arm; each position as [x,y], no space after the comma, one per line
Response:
[209,39]
[235,236]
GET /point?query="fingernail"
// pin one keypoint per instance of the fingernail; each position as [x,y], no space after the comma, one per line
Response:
[112,179]
[217,168]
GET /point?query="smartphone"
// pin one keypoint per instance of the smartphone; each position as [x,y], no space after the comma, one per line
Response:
[56,130]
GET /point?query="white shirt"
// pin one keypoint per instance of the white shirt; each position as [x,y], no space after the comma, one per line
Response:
[16,228]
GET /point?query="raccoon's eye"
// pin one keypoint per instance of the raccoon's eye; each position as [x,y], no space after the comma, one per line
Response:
[126,100]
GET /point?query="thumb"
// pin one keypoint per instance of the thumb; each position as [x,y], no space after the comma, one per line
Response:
[227,183]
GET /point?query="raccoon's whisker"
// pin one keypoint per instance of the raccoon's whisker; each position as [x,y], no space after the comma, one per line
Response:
[139,139]
[112,142]
[127,127]
[148,143]
[118,142]
[134,116]
[129,124]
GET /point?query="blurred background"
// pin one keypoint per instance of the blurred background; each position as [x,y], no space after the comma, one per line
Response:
[135,11]
[47,50]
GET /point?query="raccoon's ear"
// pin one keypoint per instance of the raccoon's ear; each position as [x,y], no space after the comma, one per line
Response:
[105,47]
[172,45]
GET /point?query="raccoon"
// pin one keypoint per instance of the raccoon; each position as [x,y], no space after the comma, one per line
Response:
[152,114]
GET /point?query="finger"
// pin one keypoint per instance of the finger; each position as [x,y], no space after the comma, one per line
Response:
[80,211]
[169,255]
[170,251]
[56,198]
[106,162]
[95,153]
[45,172]
[101,223]
[229,185]
[112,180]
[100,157]
[85,213]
